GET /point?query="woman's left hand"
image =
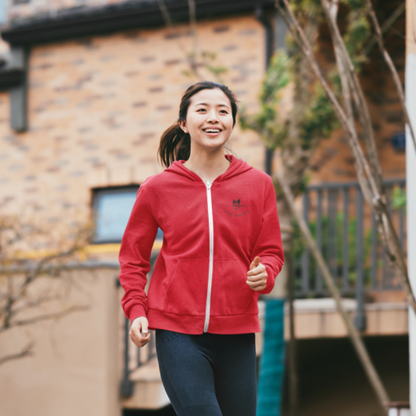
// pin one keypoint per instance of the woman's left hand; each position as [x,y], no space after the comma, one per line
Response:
[257,276]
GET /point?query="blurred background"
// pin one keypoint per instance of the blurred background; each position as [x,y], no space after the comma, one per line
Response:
[86,89]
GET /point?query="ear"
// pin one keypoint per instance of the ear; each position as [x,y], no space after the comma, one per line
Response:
[183,126]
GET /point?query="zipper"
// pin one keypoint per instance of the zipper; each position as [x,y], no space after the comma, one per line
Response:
[211,254]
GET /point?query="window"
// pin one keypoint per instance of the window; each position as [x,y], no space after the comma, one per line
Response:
[398,141]
[112,208]
[3,12]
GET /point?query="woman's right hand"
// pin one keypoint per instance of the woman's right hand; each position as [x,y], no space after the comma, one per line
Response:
[139,333]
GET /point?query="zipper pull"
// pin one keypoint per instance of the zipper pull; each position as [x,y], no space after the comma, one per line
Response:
[208,185]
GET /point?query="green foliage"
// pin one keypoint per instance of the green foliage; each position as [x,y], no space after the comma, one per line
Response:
[304,182]
[355,4]
[358,32]
[320,119]
[399,199]
[205,60]
[277,77]
[314,117]
[310,8]
[217,70]
[209,55]
[267,122]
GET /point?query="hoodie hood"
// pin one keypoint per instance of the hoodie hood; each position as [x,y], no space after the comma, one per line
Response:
[237,167]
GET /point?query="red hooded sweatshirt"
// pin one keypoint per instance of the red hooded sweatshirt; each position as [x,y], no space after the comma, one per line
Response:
[211,234]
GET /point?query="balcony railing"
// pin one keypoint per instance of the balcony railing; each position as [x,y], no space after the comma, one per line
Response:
[134,357]
[345,230]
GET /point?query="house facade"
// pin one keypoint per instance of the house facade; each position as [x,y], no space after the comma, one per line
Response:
[86,90]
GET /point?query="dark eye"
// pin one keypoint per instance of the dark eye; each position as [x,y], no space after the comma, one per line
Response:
[203,109]
[224,111]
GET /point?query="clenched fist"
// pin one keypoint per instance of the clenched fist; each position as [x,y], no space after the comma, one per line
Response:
[139,333]
[257,275]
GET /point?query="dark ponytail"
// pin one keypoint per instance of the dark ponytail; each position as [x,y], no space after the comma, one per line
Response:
[175,144]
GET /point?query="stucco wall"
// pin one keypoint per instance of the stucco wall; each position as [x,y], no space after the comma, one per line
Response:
[75,368]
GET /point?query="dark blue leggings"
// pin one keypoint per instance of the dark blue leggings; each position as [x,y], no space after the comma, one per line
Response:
[208,374]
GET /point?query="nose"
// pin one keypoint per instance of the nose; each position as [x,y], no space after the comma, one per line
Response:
[212,120]
[212,117]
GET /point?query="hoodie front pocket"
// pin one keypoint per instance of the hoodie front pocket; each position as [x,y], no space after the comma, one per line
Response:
[187,289]
[230,293]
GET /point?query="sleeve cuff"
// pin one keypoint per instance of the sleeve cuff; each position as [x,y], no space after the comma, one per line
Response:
[136,312]
[270,281]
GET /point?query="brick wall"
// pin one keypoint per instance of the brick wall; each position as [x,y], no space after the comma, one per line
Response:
[97,107]
[333,161]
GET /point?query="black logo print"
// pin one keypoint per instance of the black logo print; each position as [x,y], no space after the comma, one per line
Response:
[236,209]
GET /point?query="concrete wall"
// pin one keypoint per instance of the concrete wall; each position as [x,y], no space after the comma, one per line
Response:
[318,318]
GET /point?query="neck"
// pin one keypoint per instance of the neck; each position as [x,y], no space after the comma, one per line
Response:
[207,166]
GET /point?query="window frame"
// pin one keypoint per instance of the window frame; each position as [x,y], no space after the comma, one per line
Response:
[96,193]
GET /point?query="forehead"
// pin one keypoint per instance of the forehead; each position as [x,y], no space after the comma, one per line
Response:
[212,97]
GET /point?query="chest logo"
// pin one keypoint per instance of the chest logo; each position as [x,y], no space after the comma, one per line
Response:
[236,209]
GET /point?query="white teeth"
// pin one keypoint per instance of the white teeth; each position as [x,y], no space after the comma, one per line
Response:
[211,131]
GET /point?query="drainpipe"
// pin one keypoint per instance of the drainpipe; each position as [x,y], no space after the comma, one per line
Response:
[411,190]
[273,359]
[264,20]
[271,367]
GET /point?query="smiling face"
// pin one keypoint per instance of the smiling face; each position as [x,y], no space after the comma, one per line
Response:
[209,119]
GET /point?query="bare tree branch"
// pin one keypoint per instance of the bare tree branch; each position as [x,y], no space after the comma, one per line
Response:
[392,68]
[33,274]
[386,26]
[45,317]
[363,168]
[41,300]
[166,15]
[352,331]
[192,22]
[359,99]
[23,265]
[371,190]
[346,92]
[190,57]
[196,59]
[26,352]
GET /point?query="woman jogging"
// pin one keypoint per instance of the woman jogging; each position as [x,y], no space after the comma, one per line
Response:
[221,250]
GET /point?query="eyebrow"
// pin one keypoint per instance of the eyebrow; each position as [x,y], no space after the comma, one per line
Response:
[219,105]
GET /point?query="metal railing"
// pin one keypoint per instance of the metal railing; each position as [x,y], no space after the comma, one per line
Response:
[345,230]
[134,357]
